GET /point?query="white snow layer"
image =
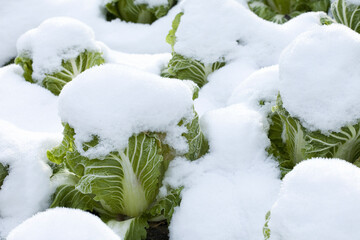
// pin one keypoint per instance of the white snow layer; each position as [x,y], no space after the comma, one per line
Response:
[122,36]
[319,78]
[26,105]
[229,30]
[261,86]
[55,40]
[318,200]
[228,192]
[27,189]
[114,102]
[152,3]
[61,224]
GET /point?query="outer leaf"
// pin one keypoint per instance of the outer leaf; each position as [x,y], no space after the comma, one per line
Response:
[4,171]
[198,145]
[266,229]
[171,37]
[131,229]
[281,11]
[347,13]
[26,64]
[57,154]
[164,207]
[125,182]
[69,70]
[190,69]
[128,11]
[301,143]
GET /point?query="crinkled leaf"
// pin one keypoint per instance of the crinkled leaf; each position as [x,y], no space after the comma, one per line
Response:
[165,206]
[126,182]
[129,11]
[26,64]
[4,171]
[69,70]
[266,229]
[184,68]
[57,154]
[347,13]
[131,229]
[281,11]
[198,145]
[301,143]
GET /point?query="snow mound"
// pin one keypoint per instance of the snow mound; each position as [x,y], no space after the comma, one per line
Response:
[319,78]
[318,200]
[236,175]
[63,223]
[55,40]
[259,91]
[26,105]
[27,188]
[114,102]
[230,30]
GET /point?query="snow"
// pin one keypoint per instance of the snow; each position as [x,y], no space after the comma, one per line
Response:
[26,105]
[63,223]
[262,85]
[152,3]
[27,189]
[114,102]
[122,36]
[228,192]
[318,200]
[230,30]
[319,78]
[55,40]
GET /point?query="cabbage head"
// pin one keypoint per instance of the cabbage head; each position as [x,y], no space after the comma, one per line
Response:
[186,68]
[130,11]
[281,11]
[292,143]
[123,185]
[70,68]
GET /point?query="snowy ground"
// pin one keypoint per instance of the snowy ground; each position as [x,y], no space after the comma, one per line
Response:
[227,192]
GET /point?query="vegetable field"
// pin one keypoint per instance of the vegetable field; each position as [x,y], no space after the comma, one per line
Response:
[179,119]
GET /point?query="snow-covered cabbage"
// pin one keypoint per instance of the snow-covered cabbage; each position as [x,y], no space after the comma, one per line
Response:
[137,11]
[56,52]
[317,111]
[123,181]
[318,200]
[347,12]
[186,68]
[281,11]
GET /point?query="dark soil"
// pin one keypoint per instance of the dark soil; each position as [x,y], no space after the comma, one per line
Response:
[158,231]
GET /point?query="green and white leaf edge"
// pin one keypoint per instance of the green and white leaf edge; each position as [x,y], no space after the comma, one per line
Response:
[300,144]
[69,69]
[347,14]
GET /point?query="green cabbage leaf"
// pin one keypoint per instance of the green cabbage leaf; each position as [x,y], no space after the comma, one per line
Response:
[346,13]
[129,11]
[55,82]
[281,11]
[291,142]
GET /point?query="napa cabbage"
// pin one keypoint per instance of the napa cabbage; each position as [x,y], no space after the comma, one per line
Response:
[281,11]
[131,11]
[185,68]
